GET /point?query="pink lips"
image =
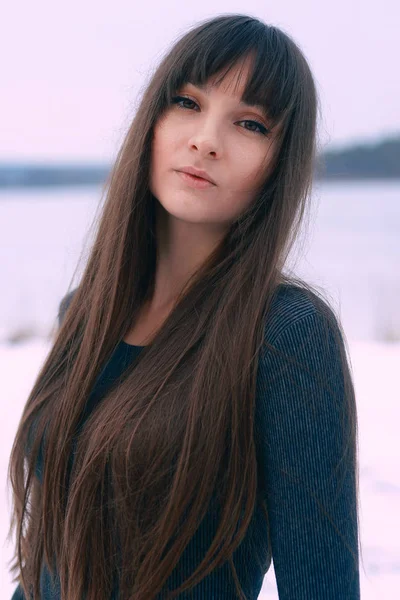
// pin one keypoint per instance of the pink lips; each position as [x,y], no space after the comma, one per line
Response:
[197,172]
[195,182]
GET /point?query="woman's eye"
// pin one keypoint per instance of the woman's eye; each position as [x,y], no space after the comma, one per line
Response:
[179,99]
[261,129]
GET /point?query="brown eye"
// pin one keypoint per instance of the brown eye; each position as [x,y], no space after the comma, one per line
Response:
[177,99]
[261,129]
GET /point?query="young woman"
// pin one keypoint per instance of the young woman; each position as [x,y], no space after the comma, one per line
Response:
[195,417]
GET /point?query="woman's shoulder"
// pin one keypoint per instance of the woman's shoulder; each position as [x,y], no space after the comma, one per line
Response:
[293,304]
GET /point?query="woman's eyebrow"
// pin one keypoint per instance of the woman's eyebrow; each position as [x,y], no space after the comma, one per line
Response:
[207,87]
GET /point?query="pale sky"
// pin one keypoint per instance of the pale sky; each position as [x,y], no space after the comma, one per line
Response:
[71,71]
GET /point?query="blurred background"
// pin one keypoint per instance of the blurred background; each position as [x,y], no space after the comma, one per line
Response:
[72,75]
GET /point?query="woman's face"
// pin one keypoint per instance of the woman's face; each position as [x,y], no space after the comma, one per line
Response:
[212,131]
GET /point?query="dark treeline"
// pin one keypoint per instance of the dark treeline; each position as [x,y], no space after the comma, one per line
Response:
[33,175]
[380,160]
[362,161]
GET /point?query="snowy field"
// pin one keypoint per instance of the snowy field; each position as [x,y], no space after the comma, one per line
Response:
[375,367]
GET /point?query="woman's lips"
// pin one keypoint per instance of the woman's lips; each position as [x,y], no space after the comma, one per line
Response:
[195,182]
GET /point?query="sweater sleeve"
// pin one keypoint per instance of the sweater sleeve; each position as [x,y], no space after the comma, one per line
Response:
[303,422]
[18,594]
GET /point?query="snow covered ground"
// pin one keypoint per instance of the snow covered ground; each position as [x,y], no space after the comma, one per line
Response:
[376,375]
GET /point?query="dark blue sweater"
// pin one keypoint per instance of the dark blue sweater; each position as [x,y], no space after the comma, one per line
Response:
[298,440]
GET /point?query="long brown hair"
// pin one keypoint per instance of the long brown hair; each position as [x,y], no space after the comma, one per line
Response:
[178,427]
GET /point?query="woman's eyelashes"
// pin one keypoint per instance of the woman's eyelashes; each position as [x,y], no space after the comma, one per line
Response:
[261,129]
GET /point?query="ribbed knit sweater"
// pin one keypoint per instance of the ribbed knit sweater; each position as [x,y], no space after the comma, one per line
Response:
[298,434]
